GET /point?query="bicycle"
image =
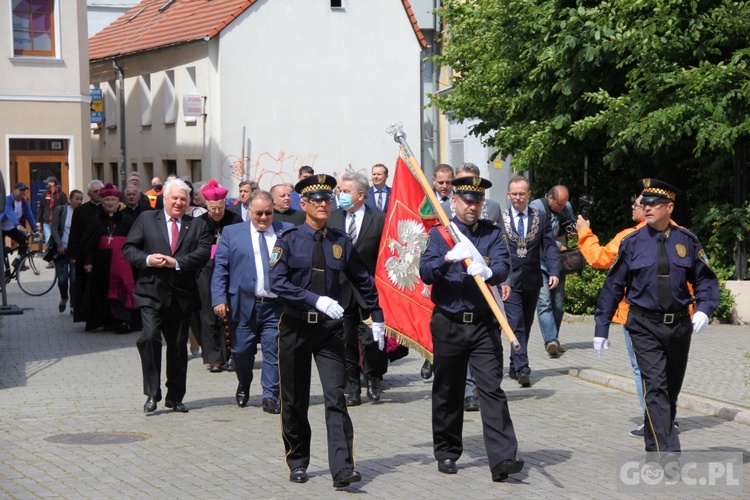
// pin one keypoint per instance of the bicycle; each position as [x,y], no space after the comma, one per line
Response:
[31,271]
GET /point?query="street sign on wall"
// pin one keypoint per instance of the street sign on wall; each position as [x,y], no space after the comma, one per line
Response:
[97,106]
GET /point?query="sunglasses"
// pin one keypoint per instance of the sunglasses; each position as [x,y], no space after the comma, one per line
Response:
[654,203]
[260,214]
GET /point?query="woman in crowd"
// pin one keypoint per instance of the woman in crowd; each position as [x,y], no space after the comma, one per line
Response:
[66,272]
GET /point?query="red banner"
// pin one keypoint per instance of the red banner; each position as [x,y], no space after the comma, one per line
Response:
[405,299]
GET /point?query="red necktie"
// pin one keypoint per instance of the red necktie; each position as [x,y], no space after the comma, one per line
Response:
[175,234]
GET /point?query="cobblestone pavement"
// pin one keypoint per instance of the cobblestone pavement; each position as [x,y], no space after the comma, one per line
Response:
[56,379]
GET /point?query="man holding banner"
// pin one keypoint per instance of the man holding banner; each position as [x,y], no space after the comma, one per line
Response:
[465,331]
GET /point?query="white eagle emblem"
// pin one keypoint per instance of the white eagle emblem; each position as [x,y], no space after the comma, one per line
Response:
[403,270]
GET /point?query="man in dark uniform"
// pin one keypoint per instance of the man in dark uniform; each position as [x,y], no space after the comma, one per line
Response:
[466,333]
[307,262]
[654,266]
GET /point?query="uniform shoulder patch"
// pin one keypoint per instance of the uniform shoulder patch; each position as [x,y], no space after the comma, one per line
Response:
[703,257]
[275,255]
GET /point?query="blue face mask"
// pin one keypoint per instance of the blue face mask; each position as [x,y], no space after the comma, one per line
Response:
[345,201]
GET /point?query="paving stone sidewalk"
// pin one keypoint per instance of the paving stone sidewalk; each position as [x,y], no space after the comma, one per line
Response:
[57,380]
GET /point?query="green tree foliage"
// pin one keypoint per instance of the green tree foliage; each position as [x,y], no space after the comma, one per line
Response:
[629,88]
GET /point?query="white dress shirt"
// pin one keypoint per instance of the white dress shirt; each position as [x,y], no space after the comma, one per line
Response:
[359,216]
[270,236]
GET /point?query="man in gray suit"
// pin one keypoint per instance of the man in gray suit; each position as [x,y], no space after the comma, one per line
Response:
[364,225]
[242,206]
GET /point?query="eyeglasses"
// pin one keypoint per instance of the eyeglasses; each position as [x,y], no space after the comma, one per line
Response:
[261,214]
[327,201]
[654,204]
[636,206]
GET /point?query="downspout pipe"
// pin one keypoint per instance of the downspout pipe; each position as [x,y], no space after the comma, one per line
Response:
[123,152]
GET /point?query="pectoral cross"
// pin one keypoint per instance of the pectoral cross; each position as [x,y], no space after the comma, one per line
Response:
[109,239]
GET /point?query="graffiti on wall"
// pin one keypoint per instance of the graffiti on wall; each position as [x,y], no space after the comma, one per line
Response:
[267,169]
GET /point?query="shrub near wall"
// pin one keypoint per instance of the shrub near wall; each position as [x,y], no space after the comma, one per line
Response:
[582,290]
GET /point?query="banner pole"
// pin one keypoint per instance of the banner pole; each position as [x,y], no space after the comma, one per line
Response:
[400,137]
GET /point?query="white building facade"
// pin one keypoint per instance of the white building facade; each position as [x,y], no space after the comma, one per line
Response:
[280,84]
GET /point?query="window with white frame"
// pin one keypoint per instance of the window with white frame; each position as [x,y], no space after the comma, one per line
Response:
[144,83]
[34,26]
[170,99]
[110,104]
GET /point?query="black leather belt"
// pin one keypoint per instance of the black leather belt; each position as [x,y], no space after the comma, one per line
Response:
[466,316]
[312,317]
[666,318]
[265,299]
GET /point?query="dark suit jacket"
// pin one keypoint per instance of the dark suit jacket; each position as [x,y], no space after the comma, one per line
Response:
[527,272]
[158,287]
[372,202]
[292,216]
[81,216]
[235,278]
[236,208]
[368,244]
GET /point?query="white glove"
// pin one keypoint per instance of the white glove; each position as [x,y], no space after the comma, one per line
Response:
[599,344]
[478,268]
[378,334]
[329,307]
[461,251]
[700,320]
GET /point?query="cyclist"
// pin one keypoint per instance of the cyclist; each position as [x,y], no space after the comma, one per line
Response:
[14,218]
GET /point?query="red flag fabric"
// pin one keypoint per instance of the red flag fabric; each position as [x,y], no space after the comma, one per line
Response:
[405,299]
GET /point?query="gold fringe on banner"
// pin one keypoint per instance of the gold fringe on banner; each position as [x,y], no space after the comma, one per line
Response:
[403,340]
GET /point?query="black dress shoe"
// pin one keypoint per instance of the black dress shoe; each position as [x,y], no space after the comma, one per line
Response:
[353,399]
[345,477]
[501,470]
[62,304]
[524,379]
[471,403]
[215,369]
[229,365]
[271,405]
[298,475]
[177,406]
[122,327]
[426,371]
[512,374]
[373,389]
[447,466]
[150,405]
[242,395]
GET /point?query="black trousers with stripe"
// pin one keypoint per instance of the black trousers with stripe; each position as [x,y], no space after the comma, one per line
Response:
[300,341]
